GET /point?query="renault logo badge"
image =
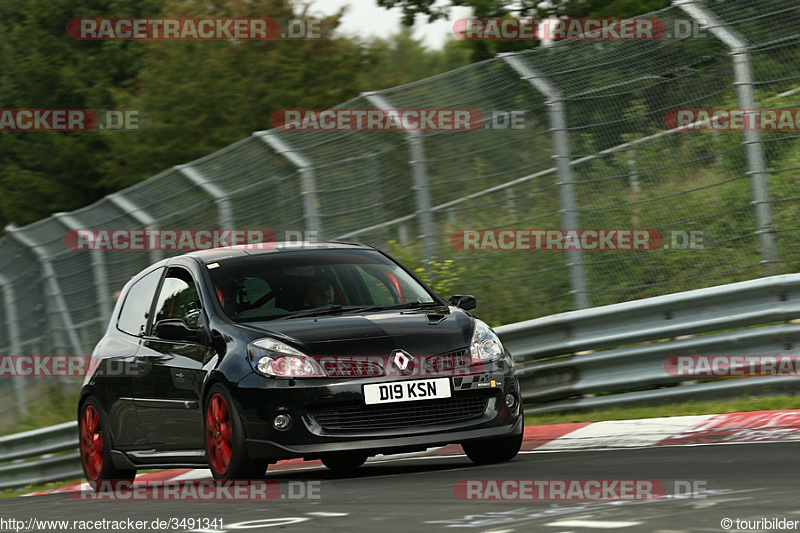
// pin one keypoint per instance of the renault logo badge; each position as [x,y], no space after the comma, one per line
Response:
[403,361]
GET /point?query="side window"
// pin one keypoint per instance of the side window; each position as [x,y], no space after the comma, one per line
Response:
[133,315]
[178,298]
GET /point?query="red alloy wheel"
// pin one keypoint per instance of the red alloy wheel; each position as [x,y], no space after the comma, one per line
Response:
[91,443]
[219,435]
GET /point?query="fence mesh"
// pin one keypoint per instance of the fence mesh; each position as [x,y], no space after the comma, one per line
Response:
[407,192]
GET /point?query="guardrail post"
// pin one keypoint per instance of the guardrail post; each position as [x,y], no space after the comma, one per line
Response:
[103,296]
[57,297]
[139,215]
[754,150]
[566,188]
[224,210]
[308,186]
[12,323]
[422,187]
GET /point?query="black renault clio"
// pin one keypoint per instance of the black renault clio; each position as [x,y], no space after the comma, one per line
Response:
[235,358]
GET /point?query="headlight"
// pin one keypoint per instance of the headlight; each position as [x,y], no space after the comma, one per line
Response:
[485,345]
[271,357]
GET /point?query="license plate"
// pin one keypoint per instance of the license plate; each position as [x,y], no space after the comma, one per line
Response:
[407,391]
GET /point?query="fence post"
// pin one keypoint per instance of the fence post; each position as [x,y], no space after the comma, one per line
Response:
[98,268]
[12,323]
[375,196]
[422,187]
[566,188]
[52,282]
[511,205]
[754,150]
[224,210]
[308,186]
[138,214]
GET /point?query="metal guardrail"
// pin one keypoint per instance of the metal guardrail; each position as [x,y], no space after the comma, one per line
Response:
[559,370]
[38,456]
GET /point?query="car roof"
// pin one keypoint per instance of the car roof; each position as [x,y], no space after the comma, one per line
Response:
[216,254]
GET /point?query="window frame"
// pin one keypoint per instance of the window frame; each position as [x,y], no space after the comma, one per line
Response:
[149,331]
[143,332]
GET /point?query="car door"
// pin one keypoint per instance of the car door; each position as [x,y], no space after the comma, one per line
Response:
[115,359]
[168,395]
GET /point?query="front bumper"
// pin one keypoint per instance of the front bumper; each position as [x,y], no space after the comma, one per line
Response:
[269,449]
[400,427]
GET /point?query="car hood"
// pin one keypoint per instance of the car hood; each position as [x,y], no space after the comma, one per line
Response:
[418,332]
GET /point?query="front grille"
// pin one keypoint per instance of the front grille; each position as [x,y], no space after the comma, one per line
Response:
[342,367]
[401,415]
[458,360]
[376,365]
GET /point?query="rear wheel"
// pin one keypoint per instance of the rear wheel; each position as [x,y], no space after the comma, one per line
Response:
[225,440]
[493,450]
[344,461]
[95,445]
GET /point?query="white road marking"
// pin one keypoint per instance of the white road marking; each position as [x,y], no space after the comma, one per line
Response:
[594,524]
[200,473]
[625,433]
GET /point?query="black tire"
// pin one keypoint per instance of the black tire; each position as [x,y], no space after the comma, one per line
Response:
[490,451]
[225,439]
[96,446]
[344,461]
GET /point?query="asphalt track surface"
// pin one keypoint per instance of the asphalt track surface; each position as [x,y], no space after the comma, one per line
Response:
[752,481]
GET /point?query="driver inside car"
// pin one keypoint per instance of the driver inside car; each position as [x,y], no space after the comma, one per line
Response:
[319,293]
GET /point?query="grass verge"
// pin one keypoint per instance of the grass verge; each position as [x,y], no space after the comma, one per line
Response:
[673,409]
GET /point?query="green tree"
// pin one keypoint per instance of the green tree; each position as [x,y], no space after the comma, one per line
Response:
[521,8]
[204,95]
[43,68]
[402,59]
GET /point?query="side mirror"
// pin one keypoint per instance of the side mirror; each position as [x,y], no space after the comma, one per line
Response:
[175,329]
[467,302]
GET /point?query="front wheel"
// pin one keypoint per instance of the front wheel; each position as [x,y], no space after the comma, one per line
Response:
[225,440]
[95,444]
[497,450]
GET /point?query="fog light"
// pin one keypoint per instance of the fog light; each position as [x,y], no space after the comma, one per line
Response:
[511,401]
[282,422]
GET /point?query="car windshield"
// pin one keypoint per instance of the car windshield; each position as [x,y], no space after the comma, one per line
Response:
[289,284]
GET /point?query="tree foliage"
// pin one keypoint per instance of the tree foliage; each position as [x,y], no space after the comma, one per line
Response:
[43,68]
[430,10]
[200,95]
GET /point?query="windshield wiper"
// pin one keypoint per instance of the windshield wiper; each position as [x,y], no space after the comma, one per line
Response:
[413,305]
[352,308]
[329,310]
